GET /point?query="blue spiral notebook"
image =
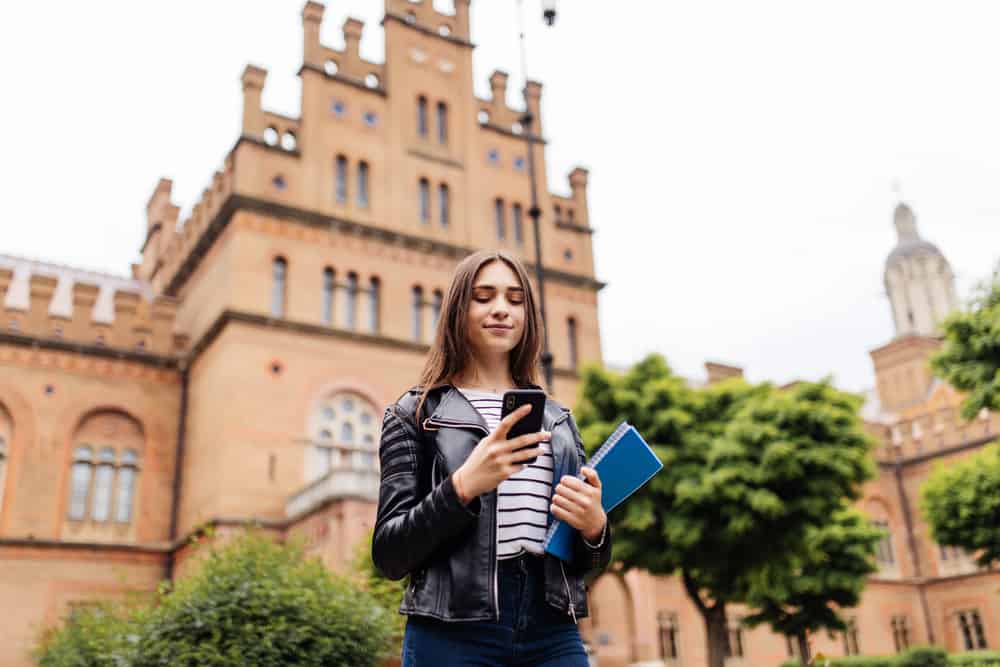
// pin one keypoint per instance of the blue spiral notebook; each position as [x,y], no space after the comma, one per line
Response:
[624,463]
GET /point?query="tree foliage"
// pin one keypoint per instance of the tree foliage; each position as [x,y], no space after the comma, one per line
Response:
[251,602]
[804,594]
[961,502]
[969,359]
[748,470]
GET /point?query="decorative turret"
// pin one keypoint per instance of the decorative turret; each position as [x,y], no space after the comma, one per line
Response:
[253,80]
[918,280]
[498,86]
[312,18]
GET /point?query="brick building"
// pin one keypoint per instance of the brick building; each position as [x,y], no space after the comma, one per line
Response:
[232,375]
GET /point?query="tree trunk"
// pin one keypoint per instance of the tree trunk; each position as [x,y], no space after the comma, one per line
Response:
[716,628]
[803,649]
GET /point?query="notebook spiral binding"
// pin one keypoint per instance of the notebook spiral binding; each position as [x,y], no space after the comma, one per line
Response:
[615,436]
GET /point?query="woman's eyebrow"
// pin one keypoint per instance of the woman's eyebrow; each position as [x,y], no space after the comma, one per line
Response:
[512,288]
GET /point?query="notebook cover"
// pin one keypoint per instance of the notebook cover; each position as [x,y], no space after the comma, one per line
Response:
[623,465]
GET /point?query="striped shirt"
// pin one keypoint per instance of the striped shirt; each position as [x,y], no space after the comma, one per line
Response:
[522,499]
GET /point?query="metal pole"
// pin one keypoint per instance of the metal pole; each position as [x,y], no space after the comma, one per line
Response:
[527,123]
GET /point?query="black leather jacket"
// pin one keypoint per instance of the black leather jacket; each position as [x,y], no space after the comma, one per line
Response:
[447,548]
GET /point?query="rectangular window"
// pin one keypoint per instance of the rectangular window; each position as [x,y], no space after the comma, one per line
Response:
[518,224]
[442,122]
[668,634]
[883,550]
[851,646]
[422,116]
[363,184]
[444,205]
[792,646]
[373,305]
[328,291]
[900,633]
[499,217]
[971,627]
[425,201]
[350,310]
[571,336]
[341,182]
[279,270]
[417,314]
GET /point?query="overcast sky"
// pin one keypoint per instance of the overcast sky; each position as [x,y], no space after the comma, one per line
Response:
[742,154]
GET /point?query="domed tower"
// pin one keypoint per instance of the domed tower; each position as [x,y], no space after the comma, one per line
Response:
[918,279]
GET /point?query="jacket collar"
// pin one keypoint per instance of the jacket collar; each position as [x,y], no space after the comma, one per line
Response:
[455,407]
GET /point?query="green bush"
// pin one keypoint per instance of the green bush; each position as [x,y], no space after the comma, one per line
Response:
[923,656]
[917,657]
[975,659]
[253,602]
[102,634]
[853,661]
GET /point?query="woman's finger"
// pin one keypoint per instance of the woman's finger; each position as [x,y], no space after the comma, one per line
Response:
[526,440]
[592,477]
[568,493]
[567,503]
[507,422]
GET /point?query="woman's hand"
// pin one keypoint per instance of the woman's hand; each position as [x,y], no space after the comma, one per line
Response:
[494,459]
[578,503]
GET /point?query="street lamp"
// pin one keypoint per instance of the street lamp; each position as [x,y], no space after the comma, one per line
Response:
[527,121]
[549,12]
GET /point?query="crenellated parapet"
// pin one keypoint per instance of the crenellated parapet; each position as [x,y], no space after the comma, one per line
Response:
[572,213]
[160,268]
[423,16]
[59,303]
[495,114]
[346,65]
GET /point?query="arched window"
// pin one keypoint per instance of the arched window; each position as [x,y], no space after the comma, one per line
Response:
[103,489]
[373,304]
[444,206]
[571,337]
[102,484]
[436,308]
[425,201]
[329,284]
[343,434]
[499,217]
[417,313]
[280,272]
[341,179]
[127,474]
[422,116]
[883,550]
[518,224]
[558,211]
[79,489]
[442,122]
[351,309]
[363,184]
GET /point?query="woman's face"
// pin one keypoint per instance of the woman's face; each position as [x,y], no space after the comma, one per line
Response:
[496,313]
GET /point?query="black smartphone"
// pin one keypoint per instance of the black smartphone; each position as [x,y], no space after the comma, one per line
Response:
[529,423]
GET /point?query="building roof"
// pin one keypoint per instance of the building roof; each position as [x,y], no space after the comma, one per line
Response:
[19,292]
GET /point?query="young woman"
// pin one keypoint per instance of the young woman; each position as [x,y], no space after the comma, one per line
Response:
[459,511]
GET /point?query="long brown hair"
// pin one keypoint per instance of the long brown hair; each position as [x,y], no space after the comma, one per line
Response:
[451,353]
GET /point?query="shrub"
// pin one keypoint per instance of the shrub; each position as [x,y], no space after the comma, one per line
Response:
[975,659]
[923,656]
[255,602]
[101,634]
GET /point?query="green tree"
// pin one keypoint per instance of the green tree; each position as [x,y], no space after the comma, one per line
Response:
[747,471]
[804,593]
[961,502]
[969,358]
[256,602]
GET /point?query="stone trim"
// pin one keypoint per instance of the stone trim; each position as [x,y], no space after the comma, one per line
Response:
[349,80]
[236,202]
[114,354]
[389,16]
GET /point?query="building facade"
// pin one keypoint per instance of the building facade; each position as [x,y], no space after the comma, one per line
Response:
[923,593]
[240,372]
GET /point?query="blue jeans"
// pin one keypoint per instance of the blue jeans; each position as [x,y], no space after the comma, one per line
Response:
[529,632]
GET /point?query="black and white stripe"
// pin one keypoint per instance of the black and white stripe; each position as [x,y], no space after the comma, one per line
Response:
[523,499]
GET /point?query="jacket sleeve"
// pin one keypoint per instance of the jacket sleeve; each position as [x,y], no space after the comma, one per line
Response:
[589,558]
[408,527]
